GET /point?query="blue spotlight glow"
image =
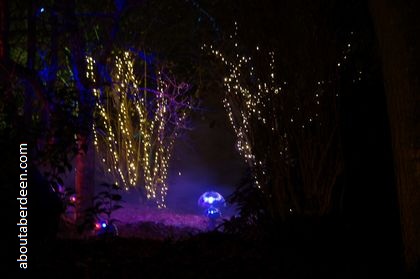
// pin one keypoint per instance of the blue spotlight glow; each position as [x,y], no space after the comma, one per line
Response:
[213,213]
[212,202]
[211,199]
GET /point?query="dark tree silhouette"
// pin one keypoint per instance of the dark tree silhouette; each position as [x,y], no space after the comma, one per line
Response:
[396,30]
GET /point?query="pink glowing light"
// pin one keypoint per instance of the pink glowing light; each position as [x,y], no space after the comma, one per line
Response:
[73,199]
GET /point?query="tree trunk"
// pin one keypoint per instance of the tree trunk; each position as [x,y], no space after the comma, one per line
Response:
[31,37]
[397,37]
[85,170]
[4,28]
[30,59]
[52,74]
[85,160]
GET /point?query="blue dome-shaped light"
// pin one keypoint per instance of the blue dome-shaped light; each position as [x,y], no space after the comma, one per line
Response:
[211,199]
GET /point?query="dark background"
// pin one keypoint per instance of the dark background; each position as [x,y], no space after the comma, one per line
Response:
[365,237]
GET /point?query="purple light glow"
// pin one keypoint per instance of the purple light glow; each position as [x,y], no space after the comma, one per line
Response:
[73,199]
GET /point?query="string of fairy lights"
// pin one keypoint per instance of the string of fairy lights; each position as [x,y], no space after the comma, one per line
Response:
[247,103]
[134,131]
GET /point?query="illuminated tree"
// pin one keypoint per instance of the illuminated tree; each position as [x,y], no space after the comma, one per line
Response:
[286,134]
[138,121]
[46,43]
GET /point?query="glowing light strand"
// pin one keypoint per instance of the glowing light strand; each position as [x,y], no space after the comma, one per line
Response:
[247,104]
[138,133]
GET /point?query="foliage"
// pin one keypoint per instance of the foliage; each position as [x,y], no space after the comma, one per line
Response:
[252,214]
[104,204]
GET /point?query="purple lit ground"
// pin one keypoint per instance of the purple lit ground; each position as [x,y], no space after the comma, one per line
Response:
[148,223]
[143,214]
[136,220]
